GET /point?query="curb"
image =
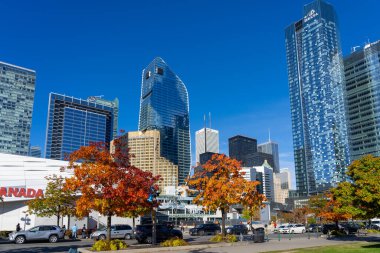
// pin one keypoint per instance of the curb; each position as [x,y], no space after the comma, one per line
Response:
[158,249]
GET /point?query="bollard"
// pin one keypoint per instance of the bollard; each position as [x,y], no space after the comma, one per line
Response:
[279,236]
[290,235]
[241,238]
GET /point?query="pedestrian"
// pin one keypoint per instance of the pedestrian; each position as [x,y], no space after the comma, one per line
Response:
[64,231]
[18,228]
[74,231]
[182,227]
[84,231]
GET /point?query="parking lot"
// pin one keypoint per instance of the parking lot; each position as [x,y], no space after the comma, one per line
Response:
[65,245]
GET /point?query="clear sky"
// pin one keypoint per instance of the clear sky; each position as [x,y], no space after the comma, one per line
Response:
[229,53]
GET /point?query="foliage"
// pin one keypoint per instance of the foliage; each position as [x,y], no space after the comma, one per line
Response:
[103,245]
[56,200]
[361,197]
[5,233]
[174,242]
[251,199]
[337,233]
[107,182]
[373,231]
[327,208]
[221,184]
[221,238]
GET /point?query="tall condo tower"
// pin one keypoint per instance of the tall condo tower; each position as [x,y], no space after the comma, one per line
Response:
[164,106]
[316,87]
[362,69]
[74,122]
[17,85]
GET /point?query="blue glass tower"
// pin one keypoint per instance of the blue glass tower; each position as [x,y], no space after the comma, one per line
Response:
[74,122]
[316,84]
[164,105]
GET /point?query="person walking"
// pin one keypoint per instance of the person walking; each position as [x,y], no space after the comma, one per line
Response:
[84,231]
[18,228]
[74,231]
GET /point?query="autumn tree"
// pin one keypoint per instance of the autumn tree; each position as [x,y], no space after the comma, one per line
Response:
[107,183]
[252,200]
[55,201]
[220,185]
[360,197]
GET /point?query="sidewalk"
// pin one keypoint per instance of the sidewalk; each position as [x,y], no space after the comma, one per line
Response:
[243,247]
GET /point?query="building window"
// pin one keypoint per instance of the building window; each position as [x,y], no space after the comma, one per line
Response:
[147,75]
[160,71]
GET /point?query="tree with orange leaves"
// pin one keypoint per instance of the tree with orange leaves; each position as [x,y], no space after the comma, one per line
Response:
[107,183]
[220,185]
[251,199]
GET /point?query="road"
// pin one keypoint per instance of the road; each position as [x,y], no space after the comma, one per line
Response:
[64,246]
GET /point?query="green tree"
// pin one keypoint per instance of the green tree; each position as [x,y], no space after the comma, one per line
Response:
[55,201]
[361,197]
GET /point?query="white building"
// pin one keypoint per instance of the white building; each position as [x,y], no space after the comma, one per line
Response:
[212,141]
[23,178]
[281,186]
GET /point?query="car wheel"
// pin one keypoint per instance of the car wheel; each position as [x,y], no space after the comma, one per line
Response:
[201,233]
[102,237]
[128,237]
[20,239]
[53,238]
[149,240]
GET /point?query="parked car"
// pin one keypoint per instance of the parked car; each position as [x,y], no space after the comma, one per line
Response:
[205,229]
[326,228]
[296,228]
[143,233]
[314,228]
[118,231]
[283,229]
[51,233]
[349,227]
[237,229]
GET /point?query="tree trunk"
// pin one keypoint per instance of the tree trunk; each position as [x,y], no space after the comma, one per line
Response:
[109,228]
[223,222]
[58,216]
[133,225]
[154,230]
[68,221]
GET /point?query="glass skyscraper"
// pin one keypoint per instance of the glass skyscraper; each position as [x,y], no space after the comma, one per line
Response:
[74,122]
[164,106]
[271,147]
[17,87]
[316,84]
[362,69]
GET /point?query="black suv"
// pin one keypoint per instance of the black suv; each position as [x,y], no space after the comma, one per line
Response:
[237,229]
[347,228]
[143,233]
[205,229]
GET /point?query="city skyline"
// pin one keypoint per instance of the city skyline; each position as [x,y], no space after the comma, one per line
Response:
[207,67]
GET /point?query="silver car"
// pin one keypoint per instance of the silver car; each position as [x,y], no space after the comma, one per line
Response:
[51,233]
[117,232]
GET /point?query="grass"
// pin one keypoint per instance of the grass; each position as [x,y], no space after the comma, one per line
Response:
[346,248]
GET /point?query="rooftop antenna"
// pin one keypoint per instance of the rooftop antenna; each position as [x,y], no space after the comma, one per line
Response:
[269,133]
[204,118]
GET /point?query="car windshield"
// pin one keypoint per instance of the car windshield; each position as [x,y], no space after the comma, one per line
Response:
[282,226]
[199,226]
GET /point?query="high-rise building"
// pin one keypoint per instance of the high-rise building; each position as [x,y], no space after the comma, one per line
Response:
[362,70]
[35,151]
[316,84]
[271,148]
[164,106]
[74,122]
[17,85]
[146,155]
[282,185]
[211,138]
[240,146]
[263,174]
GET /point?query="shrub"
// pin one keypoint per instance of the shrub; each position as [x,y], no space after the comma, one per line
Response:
[227,238]
[5,233]
[373,231]
[103,245]
[337,233]
[174,242]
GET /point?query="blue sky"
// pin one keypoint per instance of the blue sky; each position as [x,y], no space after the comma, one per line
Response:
[230,54]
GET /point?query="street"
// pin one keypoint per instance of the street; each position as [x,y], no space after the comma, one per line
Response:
[64,246]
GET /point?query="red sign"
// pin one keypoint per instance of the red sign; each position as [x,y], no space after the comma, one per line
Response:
[21,192]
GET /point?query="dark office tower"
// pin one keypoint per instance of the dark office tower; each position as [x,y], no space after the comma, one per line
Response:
[17,86]
[362,69]
[74,122]
[240,146]
[164,106]
[316,84]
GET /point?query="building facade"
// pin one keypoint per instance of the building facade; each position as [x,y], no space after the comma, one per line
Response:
[17,86]
[164,106]
[208,136]
[271,148]
[146,155]
[282,184]
[74,122]
[316,87]
[241,146]
[362,72]
[35,151]
[263,174]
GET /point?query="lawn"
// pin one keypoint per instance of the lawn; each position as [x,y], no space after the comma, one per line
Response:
[346,248]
